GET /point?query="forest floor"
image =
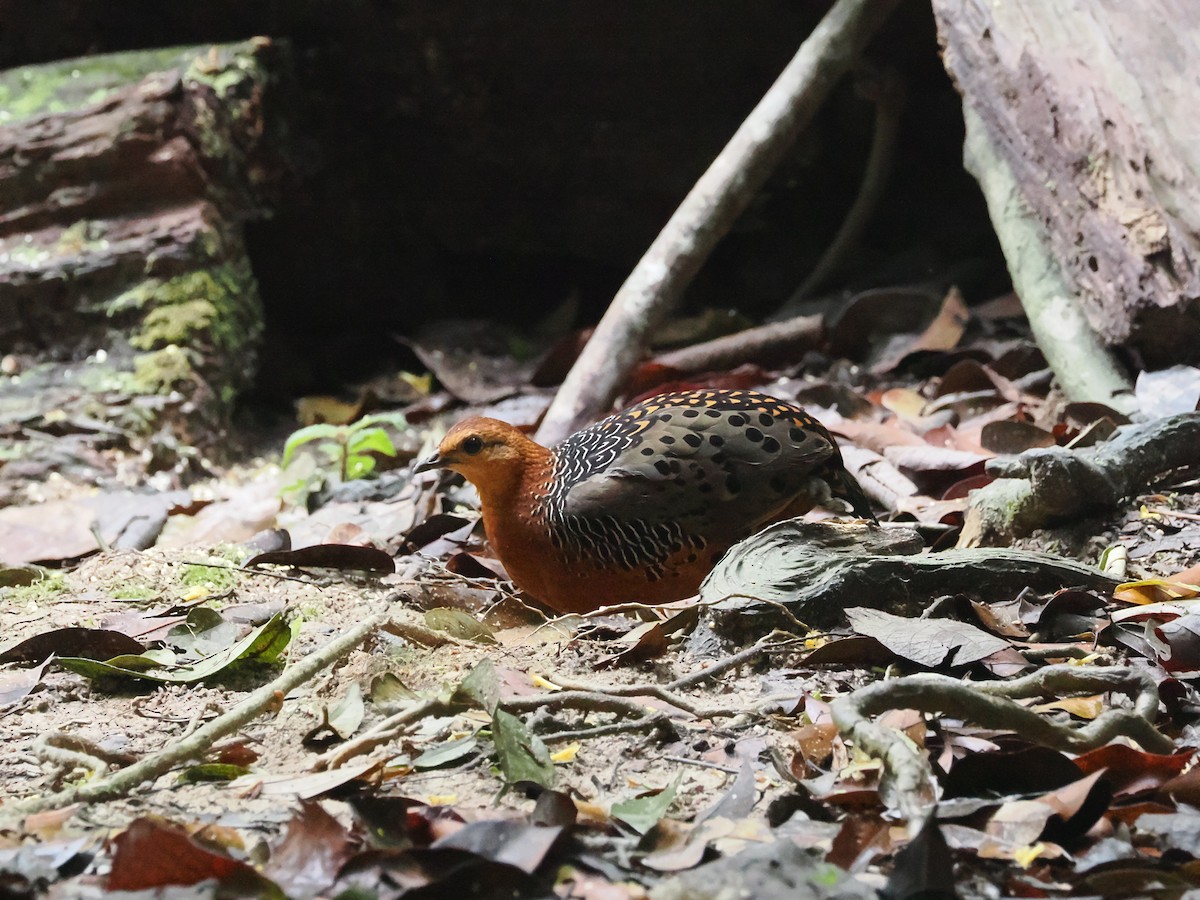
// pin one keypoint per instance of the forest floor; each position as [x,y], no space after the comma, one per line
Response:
[469,742]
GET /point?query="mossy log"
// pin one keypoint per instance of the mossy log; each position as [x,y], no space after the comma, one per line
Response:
[814,571]
[127,303]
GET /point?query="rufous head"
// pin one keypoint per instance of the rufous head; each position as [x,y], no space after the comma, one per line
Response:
[487,452]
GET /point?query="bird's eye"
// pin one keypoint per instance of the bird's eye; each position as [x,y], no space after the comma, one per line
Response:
[472,445]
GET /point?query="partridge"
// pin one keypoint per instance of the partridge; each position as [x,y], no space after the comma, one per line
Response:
[640,506]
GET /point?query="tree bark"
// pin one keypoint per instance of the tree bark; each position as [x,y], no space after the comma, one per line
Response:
[1088,105]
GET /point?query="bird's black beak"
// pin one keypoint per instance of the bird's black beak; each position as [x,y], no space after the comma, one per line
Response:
[429,463]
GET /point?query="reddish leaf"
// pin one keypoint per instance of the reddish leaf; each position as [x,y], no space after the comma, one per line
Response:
[1131,771]
[152,853]
[313,850]
[814,746]
[857,835]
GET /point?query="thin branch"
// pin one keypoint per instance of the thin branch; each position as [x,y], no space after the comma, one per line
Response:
[770,344]
[125,780]
[383,732]
[886,89]
[657,282]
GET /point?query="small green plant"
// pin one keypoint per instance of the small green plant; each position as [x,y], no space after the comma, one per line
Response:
[349,447]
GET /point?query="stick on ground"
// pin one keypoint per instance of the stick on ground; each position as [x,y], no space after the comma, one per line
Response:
[125,780]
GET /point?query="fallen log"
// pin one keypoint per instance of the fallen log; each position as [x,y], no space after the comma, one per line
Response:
[127,304]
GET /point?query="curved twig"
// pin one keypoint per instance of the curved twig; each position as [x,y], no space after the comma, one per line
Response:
[908,783]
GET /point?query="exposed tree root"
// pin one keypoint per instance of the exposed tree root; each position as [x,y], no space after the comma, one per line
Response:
[1051,484]
[816,570]
[908,783]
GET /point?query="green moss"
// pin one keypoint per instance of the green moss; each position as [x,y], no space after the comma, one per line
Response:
[134,589]
[66,85]
[162,370]
[174,324]
[220,302]
[214,579]
[50,585]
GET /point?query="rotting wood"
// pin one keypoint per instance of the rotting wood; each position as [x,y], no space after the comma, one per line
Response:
[1085,368]
[1088,106]
[657,282]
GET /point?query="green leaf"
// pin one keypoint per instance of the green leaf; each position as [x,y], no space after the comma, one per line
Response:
[643,813]
[212,772]
[388,688]
[263,645]
[204,633]
[521,755]
[444,754]
[297,439]
[481,687]
[359,466]
[371,440]
[457,623]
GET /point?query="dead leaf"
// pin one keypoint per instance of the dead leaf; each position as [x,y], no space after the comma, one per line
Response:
[88,643]
[999,774]
[344,557]
[1011,438]
[930,642]
[926,458]
[1131,771]
[513,843]
[153,853]
[905,403]
[1154,590]
[314,848]
[16,686]
[924,867]
[1168,391]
